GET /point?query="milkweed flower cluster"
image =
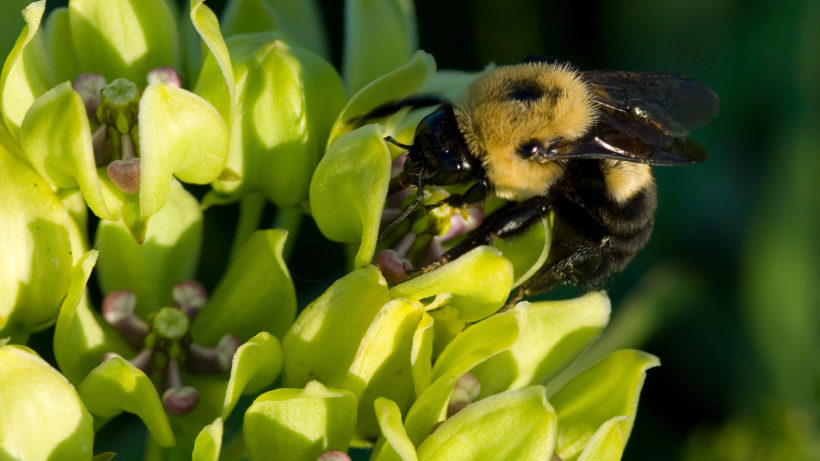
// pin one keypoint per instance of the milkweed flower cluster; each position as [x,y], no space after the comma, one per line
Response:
[113,106]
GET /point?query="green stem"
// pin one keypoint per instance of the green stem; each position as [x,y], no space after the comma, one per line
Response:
[289,219]
[250,211]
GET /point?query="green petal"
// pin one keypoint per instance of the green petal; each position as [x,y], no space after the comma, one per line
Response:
[404,81]
[606,390]
[478,282]
[41,417]
[431,406]
[287,98]
[297,19]
[494,334]
[381,366]
[348,189]
[208,443]
[527,252]
[609,441]
[26,74]
[207,25]
[421,354]
[299,424]
[81,336]
[168,255]
[116,386]
[394,445]
[380,35]
[60,49]
[256,365]
[553,333]
[517,424]
[256,294]
[124,38]
[56,139]
[324,339]
[179,133]
[37,253]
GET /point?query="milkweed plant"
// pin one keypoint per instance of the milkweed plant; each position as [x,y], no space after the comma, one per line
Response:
[117,107]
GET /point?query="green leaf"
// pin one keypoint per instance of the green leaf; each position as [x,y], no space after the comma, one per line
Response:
[255,294]
[494,334]
[256,365]
[128,37]
[297,19]
[404,81]
[348,190]
[380,36]
[606,390]
[179,133]
[517,424]
[381,366]
[478,283]
[116,386]
[325,338]
[25,74]
[299,424]
[553,333]
[287,99]
[42,417]
[208,443]
[394,445]
[168,256]
[527,252]
[81,336]
[37,254]
[56,139]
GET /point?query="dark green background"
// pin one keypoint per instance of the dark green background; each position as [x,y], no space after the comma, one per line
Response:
[726,293]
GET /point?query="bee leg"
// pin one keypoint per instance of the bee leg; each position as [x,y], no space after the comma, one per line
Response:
[475,195]
[507,222]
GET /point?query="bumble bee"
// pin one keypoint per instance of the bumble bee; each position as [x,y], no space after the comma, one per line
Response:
[550,139]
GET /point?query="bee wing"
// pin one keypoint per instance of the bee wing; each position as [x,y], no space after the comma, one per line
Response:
[645,117]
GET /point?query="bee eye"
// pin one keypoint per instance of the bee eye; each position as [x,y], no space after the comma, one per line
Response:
[531,149]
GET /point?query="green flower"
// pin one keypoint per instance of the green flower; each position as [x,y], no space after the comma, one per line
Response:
[94,100]
[42,417]
[159,329]
[37,252]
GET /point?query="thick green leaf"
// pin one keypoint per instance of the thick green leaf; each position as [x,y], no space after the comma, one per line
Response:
[41,416]
[56,139]
[208,443]
[324,339]
[299,424]
[81,336]
[382,365]
[168,256]
[37,253]
[348,190]
[380,35]
[517,424]
[128,37]
[404,81]
[116,386]
[607,390]
[553,333]
[256,365]
[255,294]
[394,445]
[25,73]
[297,19]
[182,134]
[478,282]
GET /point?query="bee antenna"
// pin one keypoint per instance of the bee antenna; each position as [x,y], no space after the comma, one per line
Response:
[391,140]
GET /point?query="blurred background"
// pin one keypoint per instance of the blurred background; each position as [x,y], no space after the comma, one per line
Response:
[726,293]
